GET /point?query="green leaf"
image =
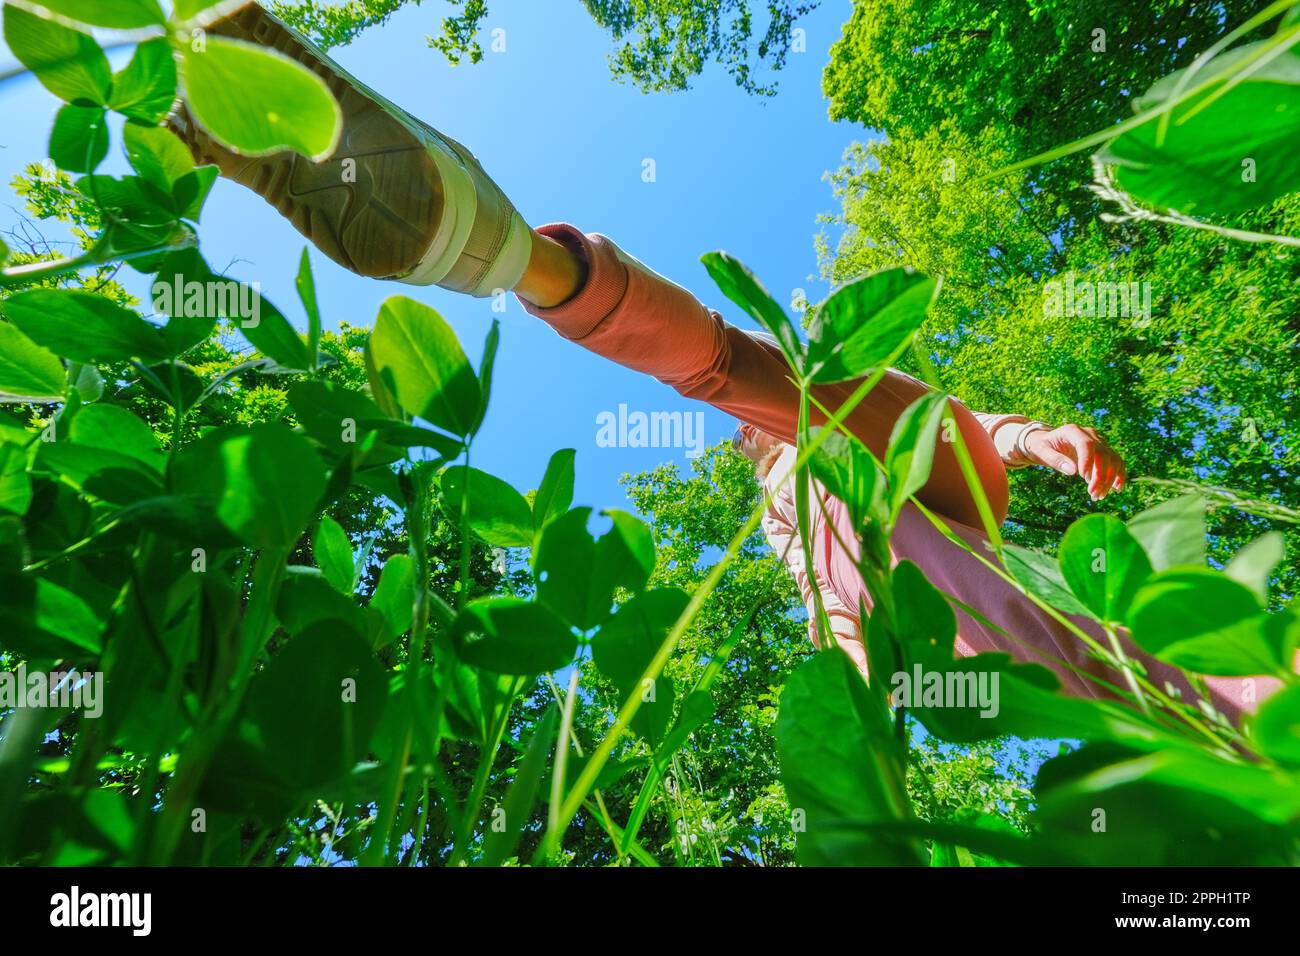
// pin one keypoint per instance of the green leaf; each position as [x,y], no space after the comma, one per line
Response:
[864,322]
[1277,727]
[1206,622]
[273,335]
[306,598]
[655,715]
[103,473]
[317,704]
[741,286]
[911,448]
[333,553]
[472,699]
[79,140]
[698,706]
[505,635]
[578,575]
[258,101]
[1104,565]
[83,326]
[182,290]
[628,556]
[109,820]
[191,191]
[142,216]
[186,288]
[68,63]
[306,285]
[624,647]
[28,371]
[402,435]
[1173,532]
[66,615]
[43,620]
[343,420]
[490,346]
[846,469]
[497,513]
[629,640]
[157,154]
[112,428]
[555,493]
[4,252]
[948,854]
[12,431]
[840,762]
[380,391]
[87,381]
[1041,576]
[382,481]
[187,9]
[114,14]
[145,89]
[15,483]
[1197,169]
[925,624]
[394,596]
[1001,697]
[419,361]
[1253,565]
[1177,807]
[263,483]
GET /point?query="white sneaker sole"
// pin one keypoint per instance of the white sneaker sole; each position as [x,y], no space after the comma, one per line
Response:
[397,200]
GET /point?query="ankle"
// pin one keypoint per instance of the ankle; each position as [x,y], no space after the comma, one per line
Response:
[555,274]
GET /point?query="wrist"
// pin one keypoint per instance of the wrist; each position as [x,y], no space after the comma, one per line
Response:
[1021,449]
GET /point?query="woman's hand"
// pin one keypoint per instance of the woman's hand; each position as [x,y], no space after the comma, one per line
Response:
[1073,450]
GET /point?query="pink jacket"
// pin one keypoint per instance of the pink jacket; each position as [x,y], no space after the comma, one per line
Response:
[637,318]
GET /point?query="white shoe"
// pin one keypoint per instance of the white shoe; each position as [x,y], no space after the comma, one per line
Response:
[397,200]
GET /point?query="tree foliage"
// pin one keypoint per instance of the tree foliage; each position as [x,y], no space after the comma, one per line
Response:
[1203,385]
[1040,73]
[660,45]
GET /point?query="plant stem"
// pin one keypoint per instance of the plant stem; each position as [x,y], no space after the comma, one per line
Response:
[220,715]
[586,780]
[556,821]
[1127,668]
[474,803]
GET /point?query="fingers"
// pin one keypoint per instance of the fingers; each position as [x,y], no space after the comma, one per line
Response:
[1109,474]
[1121,473]
[1103,477]
[1083,445]
[1098,464]
[1059,462]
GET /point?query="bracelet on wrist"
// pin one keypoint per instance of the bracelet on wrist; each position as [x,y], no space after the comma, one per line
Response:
[1022,452]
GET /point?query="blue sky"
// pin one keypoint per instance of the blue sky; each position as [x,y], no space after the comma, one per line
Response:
[566,142]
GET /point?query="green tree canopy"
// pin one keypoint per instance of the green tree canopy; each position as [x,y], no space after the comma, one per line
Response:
[660,45]
[1203,385]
